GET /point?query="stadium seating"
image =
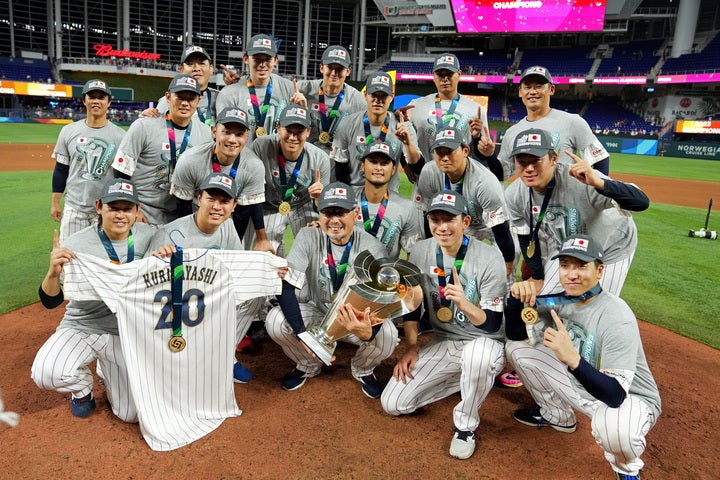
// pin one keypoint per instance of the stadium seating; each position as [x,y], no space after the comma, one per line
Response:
[633,58]
[704,62]
[25,69]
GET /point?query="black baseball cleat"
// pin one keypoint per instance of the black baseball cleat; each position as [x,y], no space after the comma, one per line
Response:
[531,416]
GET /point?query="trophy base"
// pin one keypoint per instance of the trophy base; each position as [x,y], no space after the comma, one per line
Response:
[321,350]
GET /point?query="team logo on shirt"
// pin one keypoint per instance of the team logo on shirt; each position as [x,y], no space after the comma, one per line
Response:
[95,155]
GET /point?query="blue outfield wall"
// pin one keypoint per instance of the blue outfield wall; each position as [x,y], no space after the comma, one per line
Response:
[637,146]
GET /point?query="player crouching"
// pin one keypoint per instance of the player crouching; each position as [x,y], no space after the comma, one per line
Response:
[591,359]
[89,330]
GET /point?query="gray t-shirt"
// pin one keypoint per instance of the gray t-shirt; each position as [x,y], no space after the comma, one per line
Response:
[573,208]
[569,131]
[399,227]
[238,95]
[424,119]
[483,278]
[205,112]
[353,101]
[94,316]
[309,263]
[88,152]
[483,192]
[196,164]
[145,154]
[267,149]
[349,145]
[185,233]
[605,333]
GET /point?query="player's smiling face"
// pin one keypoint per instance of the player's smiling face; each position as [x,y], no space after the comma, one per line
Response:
[230,139]
[261,67]
[535,93]
[96,103]
[378,169]
[378,103]
[535,172]
[182,106]
[292,140]
[446,82]
[338,223]
[198,67]
[578,276]
[448,229]
[452,162]
[334,76]
[117,218]
[214,207]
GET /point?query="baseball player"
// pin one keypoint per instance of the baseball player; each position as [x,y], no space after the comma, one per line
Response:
[552,201]
[152,147]
[569,131]
[453,170]
[464,291]
[384,213]
[227,154]
[262,93]
[590,359]
[89,330]
[83,153]
[196,62]
[361,129]
[295,172]
[317,263]
[176,322]
[330,99]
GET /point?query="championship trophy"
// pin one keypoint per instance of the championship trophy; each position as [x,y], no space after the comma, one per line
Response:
[389,286]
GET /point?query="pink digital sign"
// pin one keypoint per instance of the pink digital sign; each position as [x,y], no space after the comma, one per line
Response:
[489,16]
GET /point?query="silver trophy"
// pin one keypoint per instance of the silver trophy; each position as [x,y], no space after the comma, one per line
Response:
[389,286]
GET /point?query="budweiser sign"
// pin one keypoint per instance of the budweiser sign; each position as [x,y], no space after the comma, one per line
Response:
[103,50]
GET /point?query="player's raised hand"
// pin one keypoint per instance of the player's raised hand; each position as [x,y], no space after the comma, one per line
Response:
[150,112]
[315,189]
[59,256]
[165,251]
[230,77]
[55,208]
[403,113]
[582,170]
[455,293]
[401,132]
[558,340]
[525,291]
[298,97]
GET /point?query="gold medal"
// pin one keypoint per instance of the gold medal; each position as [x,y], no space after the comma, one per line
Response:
[531,249]
[177,343]
[260,131]
[324,137]
[284,208]
[529,315]
[444,314]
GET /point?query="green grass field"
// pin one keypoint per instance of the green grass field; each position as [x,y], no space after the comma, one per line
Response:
[670,283]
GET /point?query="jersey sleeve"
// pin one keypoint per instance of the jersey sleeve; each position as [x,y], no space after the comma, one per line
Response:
[587,144]
[183,185]
[340,151]
[130,148]
[492,201]
[255,274]
[61,152]
[90,278]
[251,179]
[517,208]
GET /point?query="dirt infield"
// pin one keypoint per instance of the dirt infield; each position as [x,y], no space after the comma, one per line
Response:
[329,430]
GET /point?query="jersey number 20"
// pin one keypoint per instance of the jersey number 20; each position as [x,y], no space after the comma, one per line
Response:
[193,302]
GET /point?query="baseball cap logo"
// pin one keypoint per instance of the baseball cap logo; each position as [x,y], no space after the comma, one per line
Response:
[338,53]
[340,191]
[193,49]
[97,84]
[447,59]
[236,113]
[226,180]
[579,242]
[533,137]
[449,198]
[126,187]
[266,42]
[381,147]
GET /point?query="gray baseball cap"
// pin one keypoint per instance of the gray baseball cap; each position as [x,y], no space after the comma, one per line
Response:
[379,82]
[448,201]
[582,247]
[381,148]
[534,141]
[96,85]
[184,83]
[336,54]
[233,115]
[337,194]
[262,44]
[537,71]
[295,115]
[194,50]
[446,61]
[220,181]
[119,189]
[449,137]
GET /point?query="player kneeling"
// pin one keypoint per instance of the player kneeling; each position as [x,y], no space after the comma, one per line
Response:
[591,359]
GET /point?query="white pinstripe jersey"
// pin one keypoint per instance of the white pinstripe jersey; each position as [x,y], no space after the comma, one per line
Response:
[180,396]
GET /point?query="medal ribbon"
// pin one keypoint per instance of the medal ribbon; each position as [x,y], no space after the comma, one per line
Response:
[440,118]
[337,272]
[201,116]
[217,168]
[459,259]
[458,186]
[174,153]
[176,286]
[289,187]
[111,250]
[543,210]
[383,130]
[326,120]
[564,299]
[366,214]
[260,112]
